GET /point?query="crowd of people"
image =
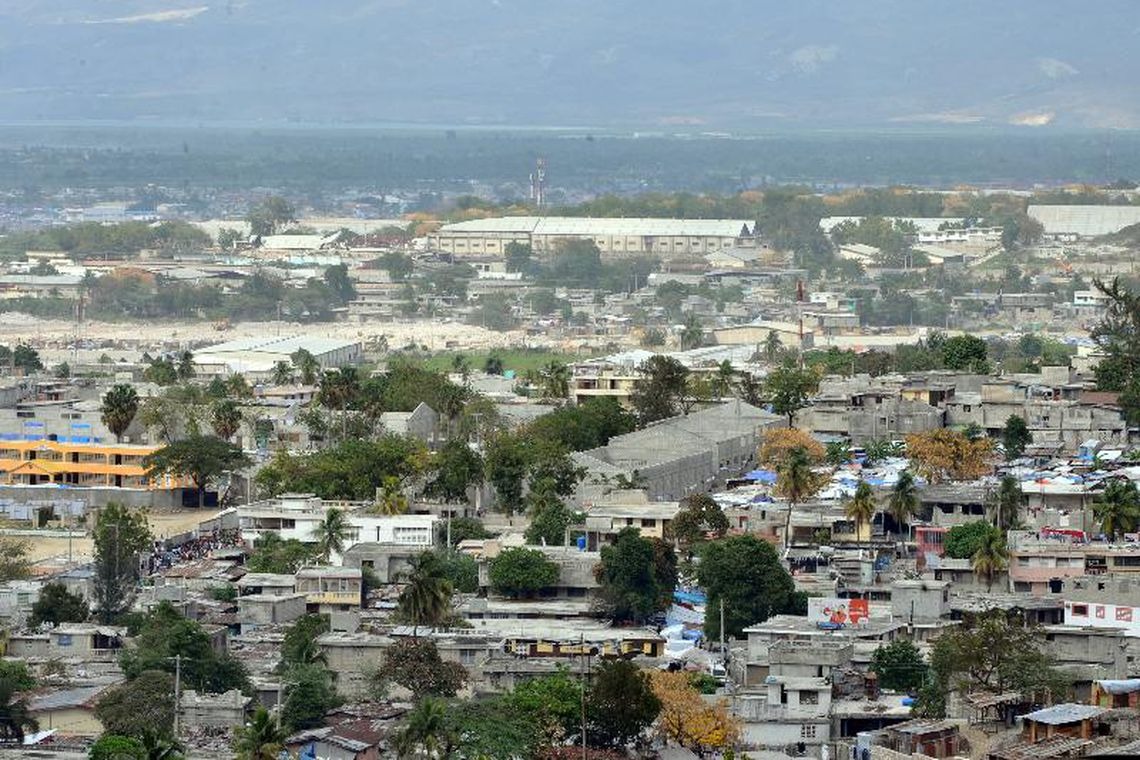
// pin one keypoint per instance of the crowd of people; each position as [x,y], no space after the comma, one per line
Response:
[169,552]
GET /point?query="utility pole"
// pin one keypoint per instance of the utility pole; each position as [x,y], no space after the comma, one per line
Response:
[177,690]
[723,659]
[581,652]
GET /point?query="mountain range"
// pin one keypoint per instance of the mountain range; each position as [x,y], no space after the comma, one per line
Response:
[642,64]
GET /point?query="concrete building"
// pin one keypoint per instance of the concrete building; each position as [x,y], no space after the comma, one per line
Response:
[331,588]
[256,357]
[576,579]
[688,454]
[422,423]
[262,610]
[69,711]
[613,237]
[623,509]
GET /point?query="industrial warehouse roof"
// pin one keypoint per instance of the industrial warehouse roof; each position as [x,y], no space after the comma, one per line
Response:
[277,345]
[1085,221]
[570,226]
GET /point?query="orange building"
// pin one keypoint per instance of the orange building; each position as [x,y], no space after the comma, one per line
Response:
[79,464]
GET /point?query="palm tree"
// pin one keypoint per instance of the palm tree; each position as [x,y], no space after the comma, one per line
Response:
[260,739]
[862,507]
[461,367]
[14,716]
[772,346]
[692,333]
[392,500]
[158,747]
[426,730]
[120,404]
[555,378]
[904,500]
[282,373]
[237,386]
[225,418]
[493,365]
[185,366]
[796,482]
[1005,508]
[1118,508]
[339,388]
[426,598]
[990,558]
[332,533]
[307,365]
[722,379]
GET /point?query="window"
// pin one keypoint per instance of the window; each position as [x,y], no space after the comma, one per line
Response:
[807,732]
[1080,610]
[809,697]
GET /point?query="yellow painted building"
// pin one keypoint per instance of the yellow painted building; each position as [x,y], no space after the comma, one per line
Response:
[79,464]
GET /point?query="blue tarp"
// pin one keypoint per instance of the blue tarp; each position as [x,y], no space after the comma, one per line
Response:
[767,477]
[690,597]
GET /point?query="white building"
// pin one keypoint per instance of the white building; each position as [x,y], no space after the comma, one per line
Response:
[257,356]
[296,516]
[1068,222]
[615,237]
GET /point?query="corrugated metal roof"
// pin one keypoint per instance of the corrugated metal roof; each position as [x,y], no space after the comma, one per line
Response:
[1086,221]
[589,226]
[1066,713]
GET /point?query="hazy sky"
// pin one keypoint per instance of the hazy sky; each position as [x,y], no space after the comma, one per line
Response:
[727,64]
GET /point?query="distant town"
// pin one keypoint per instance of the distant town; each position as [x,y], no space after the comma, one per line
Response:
[537,473]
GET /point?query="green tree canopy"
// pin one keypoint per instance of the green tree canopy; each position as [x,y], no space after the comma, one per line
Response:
[120,405]
[620,704]
[202,458]
[698,517]
[1015,436]
[747,575]
[57,605]
[658,392]
[283,556]
[143,704]
[309,694]
[632,588]
[963,541]
[121,535]
[300,645]
[165,635]
[522,572]
[415,664]
[788,389]
[899,665]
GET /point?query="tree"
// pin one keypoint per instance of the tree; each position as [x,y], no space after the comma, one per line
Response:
[945,454]
[269,215]
[225,418]
[687,719]
[862,506]
[14,562]
[747,575]
[995,653]
[507,461]
[300,644]
[518,256]
[1005,507]
[796,481]
[462,528]
[145,703]
[493,366]
[788,389]
[1118,508]
[273,554]
[57,605]
[698,516]
[202,458]
[120,405]
[1015,436]
[259,739]
[114,747]
[164,636]
[965,353]
[121,535]
[309,694]
[332,533]
[904,501]
[415,665]
[555,380]
[184,367]
[339,283]
[457,467]
[282,373]
[692,332]
[658,391]
[991,558]
[15,716]
[553,702]
[26,358]
[963,541]
[549,519]
[620,704]
[462,571]
[772,346]
[307,366]
[391,500]
[899,665]
[426,729]
[587,425]
[630,589]
[521,572]
[426,598]
[838,453]
[778,444]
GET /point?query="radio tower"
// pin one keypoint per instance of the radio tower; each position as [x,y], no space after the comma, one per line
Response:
[538,183]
